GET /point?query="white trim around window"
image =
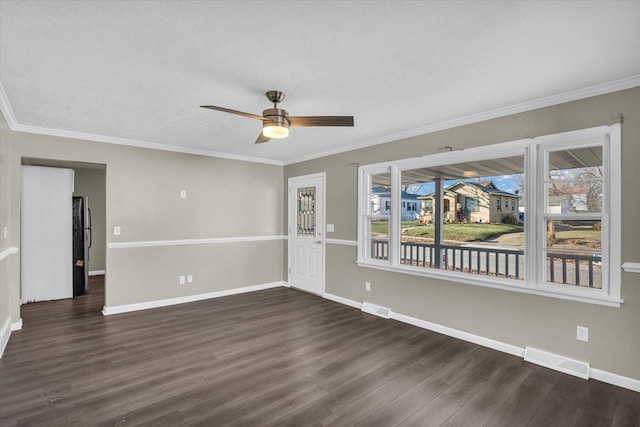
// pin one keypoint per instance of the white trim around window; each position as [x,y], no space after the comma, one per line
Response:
[534,151]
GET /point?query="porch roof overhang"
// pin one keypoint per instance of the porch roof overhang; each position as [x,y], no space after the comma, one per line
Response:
[564,159]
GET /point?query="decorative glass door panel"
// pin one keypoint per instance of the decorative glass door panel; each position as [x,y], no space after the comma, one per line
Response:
[306,218]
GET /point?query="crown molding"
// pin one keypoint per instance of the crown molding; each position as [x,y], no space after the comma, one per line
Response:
[141,144]
[7,111]
[601,89]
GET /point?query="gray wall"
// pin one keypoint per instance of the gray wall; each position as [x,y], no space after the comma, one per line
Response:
[510,317]
[225,198]
[9,267]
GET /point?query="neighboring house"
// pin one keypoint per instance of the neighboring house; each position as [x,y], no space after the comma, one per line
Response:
[381,204]
[428,203]
[478,201]
[568,203]
[558,204]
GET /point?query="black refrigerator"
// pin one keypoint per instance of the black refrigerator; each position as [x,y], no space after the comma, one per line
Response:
[81,244]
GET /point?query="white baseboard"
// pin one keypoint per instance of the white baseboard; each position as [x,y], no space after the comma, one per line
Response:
[615,379]
[16,326]
[596,374]
[5,334]
[465,336]
[97,273]
[344,301]
[189,298]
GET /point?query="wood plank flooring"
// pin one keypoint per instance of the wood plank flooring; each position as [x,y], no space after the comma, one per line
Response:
[277,357]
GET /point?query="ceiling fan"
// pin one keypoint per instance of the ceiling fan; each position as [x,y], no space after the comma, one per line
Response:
[276,121]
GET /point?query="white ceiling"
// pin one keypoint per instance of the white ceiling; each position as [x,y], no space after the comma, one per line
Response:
[138,71]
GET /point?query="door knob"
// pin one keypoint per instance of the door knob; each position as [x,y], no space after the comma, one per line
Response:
[319,242]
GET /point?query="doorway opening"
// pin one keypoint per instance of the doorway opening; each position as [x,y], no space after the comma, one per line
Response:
[83,267]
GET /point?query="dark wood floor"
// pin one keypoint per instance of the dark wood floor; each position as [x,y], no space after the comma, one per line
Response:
[276,357]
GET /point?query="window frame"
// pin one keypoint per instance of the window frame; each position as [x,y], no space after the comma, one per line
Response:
[607,136]
[364,184]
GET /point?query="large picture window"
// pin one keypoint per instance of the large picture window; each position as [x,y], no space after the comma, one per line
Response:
[458,226]
[539,216]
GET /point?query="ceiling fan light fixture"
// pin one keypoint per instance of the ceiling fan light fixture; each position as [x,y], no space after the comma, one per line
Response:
[275,130]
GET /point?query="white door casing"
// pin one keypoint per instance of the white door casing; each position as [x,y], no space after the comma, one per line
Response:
[306,233]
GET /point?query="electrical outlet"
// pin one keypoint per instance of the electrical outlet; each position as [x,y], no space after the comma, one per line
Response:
[582,334]
[5,232]
[190,278]
[367,286]
[181,280]
[183,194]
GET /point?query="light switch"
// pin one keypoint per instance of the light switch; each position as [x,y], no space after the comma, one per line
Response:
[5,232]
[329,228]
[116,230]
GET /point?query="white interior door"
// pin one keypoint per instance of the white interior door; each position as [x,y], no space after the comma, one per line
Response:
[306,233]
[46,233]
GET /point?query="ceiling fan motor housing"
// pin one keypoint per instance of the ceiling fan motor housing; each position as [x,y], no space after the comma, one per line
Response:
[277,115]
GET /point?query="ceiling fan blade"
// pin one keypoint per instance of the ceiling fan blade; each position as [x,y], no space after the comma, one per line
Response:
[262,138]
[228,110]
[321,121]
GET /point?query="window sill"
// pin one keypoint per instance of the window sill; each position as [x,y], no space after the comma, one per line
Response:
[495,283]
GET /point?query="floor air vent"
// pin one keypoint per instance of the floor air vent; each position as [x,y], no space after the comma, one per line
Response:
[376,310]
[559,363]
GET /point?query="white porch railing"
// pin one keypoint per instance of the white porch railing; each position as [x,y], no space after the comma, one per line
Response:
[570,269]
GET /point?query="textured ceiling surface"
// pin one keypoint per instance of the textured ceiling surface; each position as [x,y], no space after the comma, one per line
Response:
[139,70]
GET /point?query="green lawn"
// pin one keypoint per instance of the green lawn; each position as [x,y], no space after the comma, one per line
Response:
[459,232]
[383,226]
[407,224]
